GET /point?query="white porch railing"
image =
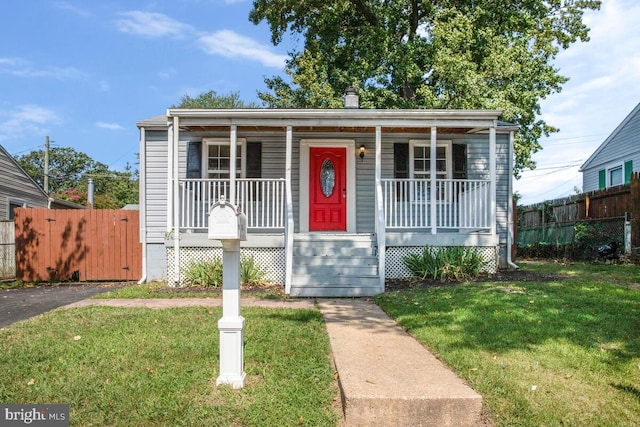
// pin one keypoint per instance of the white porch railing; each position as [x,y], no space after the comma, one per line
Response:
[460,203]
[262,200]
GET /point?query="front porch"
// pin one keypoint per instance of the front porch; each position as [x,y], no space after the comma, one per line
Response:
[394,182]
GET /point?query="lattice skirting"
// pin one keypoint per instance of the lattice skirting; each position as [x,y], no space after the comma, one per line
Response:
[395,268]
[271,260]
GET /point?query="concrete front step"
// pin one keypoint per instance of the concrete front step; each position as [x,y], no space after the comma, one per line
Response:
[339,265]
[387,378]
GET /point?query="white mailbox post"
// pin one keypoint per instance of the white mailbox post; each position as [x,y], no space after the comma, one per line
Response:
[229,225]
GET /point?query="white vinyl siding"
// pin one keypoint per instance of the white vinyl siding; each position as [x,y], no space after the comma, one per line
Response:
[156,192]
[623,145]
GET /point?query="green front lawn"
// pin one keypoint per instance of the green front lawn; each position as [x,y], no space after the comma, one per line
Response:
[142,367]
[563,349]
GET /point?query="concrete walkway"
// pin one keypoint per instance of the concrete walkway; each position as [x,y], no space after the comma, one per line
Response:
[386,377]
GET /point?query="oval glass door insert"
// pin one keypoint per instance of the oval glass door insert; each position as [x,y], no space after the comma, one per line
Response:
[327,178]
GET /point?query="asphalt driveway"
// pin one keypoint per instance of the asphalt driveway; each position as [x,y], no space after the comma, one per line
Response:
[20,304]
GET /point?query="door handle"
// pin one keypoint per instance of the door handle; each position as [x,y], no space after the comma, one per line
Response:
[344,193]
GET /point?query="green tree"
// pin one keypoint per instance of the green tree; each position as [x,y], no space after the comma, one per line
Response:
[480,54]
[69,171]
[68,168]
[212,100]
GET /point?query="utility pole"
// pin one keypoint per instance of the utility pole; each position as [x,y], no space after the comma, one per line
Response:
[90,189]
[46,165]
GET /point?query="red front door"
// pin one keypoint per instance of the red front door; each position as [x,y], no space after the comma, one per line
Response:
[327,189]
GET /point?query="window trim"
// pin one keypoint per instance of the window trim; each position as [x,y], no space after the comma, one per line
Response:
[417,196]
[241,144]
[611,169]
[15,202]
[448,144]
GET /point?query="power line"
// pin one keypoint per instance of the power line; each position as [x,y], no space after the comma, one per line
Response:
[563,166]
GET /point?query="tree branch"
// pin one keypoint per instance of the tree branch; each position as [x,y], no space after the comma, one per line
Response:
[366,12]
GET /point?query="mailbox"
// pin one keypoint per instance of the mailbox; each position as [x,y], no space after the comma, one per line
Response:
[226,222]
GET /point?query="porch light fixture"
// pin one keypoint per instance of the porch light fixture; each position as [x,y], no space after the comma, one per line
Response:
[362,149]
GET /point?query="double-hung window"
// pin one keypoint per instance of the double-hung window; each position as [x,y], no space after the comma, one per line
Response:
[420,165]
[217,159]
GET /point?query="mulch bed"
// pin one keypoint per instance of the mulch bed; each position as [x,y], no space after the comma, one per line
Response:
[500,276]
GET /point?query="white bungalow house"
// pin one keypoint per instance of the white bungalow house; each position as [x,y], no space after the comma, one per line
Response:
[616,158]
[334,199]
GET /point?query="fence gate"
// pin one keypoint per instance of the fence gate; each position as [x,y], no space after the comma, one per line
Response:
[85,245]
[7,250]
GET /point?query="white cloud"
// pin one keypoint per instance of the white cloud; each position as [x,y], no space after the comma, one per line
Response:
[109,126]
[63,5]
[26,119]
[232,45]
[19,67]
[152,24]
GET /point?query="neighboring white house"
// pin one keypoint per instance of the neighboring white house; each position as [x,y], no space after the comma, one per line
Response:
[19,190]
[334,198]
[616,158]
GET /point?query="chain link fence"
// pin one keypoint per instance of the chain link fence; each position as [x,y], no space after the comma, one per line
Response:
[573,240]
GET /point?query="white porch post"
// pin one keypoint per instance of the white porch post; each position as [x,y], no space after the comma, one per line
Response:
[432,189]
[170,197]
[288,244]
[233,141]
[175,200]
[492,176]
[380,220]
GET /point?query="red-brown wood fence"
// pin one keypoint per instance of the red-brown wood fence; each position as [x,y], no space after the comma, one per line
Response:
[85,245]
[616,203]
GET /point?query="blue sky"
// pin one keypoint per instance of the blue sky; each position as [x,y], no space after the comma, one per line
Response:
[85,72]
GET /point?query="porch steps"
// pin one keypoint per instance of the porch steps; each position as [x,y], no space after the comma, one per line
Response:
[334,265]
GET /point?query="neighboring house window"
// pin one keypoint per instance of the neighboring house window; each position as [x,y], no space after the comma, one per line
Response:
[15,204]
[615,175]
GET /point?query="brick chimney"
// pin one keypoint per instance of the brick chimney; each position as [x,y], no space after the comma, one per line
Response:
[351,99]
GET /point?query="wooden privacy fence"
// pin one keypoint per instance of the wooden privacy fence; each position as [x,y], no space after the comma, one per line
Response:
[85,245]
[7,250]
[609,208]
